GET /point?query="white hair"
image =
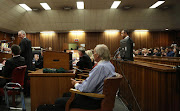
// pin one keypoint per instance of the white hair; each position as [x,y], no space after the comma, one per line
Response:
[103,52]
[82,49]
[90,54]
[22,32]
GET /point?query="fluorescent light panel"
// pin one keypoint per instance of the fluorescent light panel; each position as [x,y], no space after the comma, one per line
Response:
[141,30]
[111,31]
[115,4]
[47,32]
[45,6]
[80,5]
[25,7]
[158,3]
[76,31]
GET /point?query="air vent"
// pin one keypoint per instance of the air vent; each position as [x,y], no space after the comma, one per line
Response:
[127,7]
[67,8]
[36,9]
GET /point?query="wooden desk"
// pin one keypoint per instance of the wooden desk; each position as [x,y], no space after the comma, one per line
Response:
[45,88]
[154,86]
[4,55]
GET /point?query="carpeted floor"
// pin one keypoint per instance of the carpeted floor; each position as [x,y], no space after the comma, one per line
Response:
[119,106]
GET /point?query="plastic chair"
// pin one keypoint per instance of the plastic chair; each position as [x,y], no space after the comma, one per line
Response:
[109,92]
[15,86]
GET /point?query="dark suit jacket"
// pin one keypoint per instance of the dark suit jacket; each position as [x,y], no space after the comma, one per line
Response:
[84,62]
[26,51]
[11,64]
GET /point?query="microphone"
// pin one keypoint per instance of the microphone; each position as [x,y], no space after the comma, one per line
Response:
[117,50]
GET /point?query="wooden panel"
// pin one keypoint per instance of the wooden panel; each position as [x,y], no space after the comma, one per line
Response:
[79,36]
[49,40]
[35,39]
[154,86]
[4,55]
[46,88]
[162,60]
[56,60]
[153,39]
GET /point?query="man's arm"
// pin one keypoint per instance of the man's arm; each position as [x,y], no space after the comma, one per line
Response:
[95,77]
[23,46]
[81,63]
[7,69]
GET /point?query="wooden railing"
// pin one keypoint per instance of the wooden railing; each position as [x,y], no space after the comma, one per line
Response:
[155,86]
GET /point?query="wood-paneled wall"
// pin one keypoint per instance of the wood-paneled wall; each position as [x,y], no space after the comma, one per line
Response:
[5,36]
[153,39]
[91,39]
[34,37]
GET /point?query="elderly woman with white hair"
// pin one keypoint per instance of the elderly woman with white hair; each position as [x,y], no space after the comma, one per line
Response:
[93,84]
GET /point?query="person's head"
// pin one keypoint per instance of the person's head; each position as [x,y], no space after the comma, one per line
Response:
[15,49]
[101,52]
[174,50]
[124,33]
[21,34]
[90,54]
[170,49]
[162,50]
[36,57]
[81,51]
[50,48]
[155,50]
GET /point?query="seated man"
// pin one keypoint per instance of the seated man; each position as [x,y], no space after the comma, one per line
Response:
[93,84]
[84,61]
[38,61]
[11,63]
[170,52]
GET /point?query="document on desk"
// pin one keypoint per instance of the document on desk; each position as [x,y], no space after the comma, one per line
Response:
[1,65]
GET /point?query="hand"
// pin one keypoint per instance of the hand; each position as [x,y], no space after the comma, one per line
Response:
[73,82]
[6,49]
[4,62]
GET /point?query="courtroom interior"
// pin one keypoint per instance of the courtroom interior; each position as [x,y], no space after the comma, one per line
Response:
[90,55]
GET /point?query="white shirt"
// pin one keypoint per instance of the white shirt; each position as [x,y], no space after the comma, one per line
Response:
[94,83]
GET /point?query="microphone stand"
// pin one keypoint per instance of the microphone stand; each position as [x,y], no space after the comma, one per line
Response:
[129,107]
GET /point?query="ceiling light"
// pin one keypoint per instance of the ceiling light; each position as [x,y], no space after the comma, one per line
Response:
[45,6]
[166,29]
[80,5]
[157,4]
[141,30]
[25,7]
[115,4]
[76,31]
[47,32]
[111,31]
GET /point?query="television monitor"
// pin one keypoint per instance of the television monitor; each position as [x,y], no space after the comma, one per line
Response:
[126,49]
